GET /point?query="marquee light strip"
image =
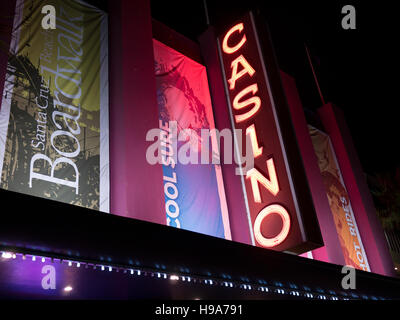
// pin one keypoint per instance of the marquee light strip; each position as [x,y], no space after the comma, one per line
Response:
[261,286]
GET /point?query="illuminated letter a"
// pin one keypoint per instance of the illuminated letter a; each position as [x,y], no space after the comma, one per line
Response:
[253,101]
[247,68]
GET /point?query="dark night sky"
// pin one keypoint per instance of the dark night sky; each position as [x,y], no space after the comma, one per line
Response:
[355,65]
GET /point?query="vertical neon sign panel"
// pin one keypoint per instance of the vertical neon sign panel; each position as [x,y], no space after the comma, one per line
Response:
[274,216]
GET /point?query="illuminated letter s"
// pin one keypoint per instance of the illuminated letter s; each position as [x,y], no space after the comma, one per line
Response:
[255,101]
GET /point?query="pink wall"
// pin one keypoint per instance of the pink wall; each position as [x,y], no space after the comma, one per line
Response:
[136,186]
[370,229]
[332,251]
[233,186]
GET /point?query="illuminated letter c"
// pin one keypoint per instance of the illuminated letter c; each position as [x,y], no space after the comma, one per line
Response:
[226,47]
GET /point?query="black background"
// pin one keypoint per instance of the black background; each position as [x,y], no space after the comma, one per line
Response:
[357,69]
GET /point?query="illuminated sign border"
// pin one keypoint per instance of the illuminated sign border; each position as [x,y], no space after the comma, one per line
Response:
[247,99]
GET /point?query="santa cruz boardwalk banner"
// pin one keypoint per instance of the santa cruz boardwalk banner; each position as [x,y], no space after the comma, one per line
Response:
[54,109]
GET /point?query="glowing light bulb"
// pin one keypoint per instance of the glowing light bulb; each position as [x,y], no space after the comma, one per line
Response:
[68,289]
[7,255]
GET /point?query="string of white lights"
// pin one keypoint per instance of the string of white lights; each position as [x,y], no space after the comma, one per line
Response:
[262,286]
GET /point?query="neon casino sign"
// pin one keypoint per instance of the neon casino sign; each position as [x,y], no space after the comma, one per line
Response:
[274,216]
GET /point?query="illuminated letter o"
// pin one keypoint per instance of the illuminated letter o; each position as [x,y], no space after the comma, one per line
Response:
[272,242]
[226,47]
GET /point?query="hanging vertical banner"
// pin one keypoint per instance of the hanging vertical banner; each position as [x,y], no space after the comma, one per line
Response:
[54,111]
[346,226]
[194,192]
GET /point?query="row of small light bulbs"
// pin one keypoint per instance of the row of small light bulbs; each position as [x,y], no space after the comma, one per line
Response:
[207,281]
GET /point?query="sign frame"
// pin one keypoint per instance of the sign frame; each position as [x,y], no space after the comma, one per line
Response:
[261,182]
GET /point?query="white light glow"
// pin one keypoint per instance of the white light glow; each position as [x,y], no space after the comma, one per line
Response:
[68,289]
[174,277]
[7,255]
